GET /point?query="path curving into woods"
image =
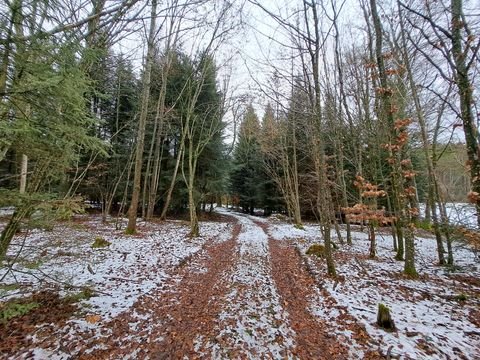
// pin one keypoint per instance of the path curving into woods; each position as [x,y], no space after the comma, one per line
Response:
[250,301]
[247,297]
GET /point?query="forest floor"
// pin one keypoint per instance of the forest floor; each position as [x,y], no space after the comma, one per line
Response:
[243,290]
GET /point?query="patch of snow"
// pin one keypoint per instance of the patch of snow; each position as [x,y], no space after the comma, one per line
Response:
[120,273]
[42,354]
[438,327]
[461,214]
[7,211]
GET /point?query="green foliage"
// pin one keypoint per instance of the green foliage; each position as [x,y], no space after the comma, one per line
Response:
[317,250]
[384,319]
[424,225]
[247,176]
[130,232]
[13,309]
[100,242]
[85,294]
[461,297]
[44,207]
[6,288]
[33,265]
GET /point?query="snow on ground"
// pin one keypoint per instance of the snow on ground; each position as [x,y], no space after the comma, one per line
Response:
[285,231]
[7,211]
[119,273]
[253,322]
[460,214]
[431,323]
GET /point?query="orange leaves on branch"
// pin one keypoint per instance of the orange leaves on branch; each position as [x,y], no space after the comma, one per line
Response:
[473,197]
[402,123]
[362,213]
[406,162]
[402,138]
[393,148]
[391,71]
[393,109]
[373,193]
[414,211]
[472,237]
[409,174]
[367,212]
[384,91]
[367,190]
[388,55]
[411,191]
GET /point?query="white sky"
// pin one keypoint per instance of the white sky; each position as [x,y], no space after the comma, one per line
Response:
[249,51]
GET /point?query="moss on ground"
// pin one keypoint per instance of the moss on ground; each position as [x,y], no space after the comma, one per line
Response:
[100,242]
[13,309]
[317,250]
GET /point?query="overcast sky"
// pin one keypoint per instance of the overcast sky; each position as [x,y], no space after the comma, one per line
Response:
[251,49]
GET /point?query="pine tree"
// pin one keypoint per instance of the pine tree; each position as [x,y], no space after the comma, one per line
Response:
[246,176]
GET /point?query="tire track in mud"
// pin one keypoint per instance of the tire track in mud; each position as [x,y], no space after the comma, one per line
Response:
[169,320]
[295,286]
[195,304]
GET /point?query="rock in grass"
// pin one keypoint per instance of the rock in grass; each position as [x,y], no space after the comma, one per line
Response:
[100,242]
[316,249]
[384,319]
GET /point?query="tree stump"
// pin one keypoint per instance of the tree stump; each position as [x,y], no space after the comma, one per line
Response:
[384,319]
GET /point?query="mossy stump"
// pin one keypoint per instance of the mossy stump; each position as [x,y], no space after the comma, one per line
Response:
[316,249]
[384,319]
[100,242]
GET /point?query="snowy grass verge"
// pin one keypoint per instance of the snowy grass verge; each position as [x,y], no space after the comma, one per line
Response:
[436,315]
[118,274]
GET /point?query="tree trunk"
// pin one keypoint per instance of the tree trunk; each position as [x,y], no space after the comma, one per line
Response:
[163,216]
[23,212]
[132,211]
[23,173]
[385,111]
[373,246]
[465,92]
[430,207]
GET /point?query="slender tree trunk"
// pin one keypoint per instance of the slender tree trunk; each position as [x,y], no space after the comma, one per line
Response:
[465,92]
[432,211]
[132,211]
[371,236]
[23,173]
[403,220]
[192,165]
[325,196]
[12,227]
[163,216]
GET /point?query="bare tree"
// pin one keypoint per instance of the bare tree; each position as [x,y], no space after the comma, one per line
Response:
[133,209]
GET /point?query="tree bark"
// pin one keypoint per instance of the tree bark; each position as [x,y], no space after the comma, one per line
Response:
[385,111]
[465,92]
[430,207]
[23,174]
[132,211]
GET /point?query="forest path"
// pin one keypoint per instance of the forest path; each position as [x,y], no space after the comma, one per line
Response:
[245,295]
[169,320]
[266,313]
[246,298]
